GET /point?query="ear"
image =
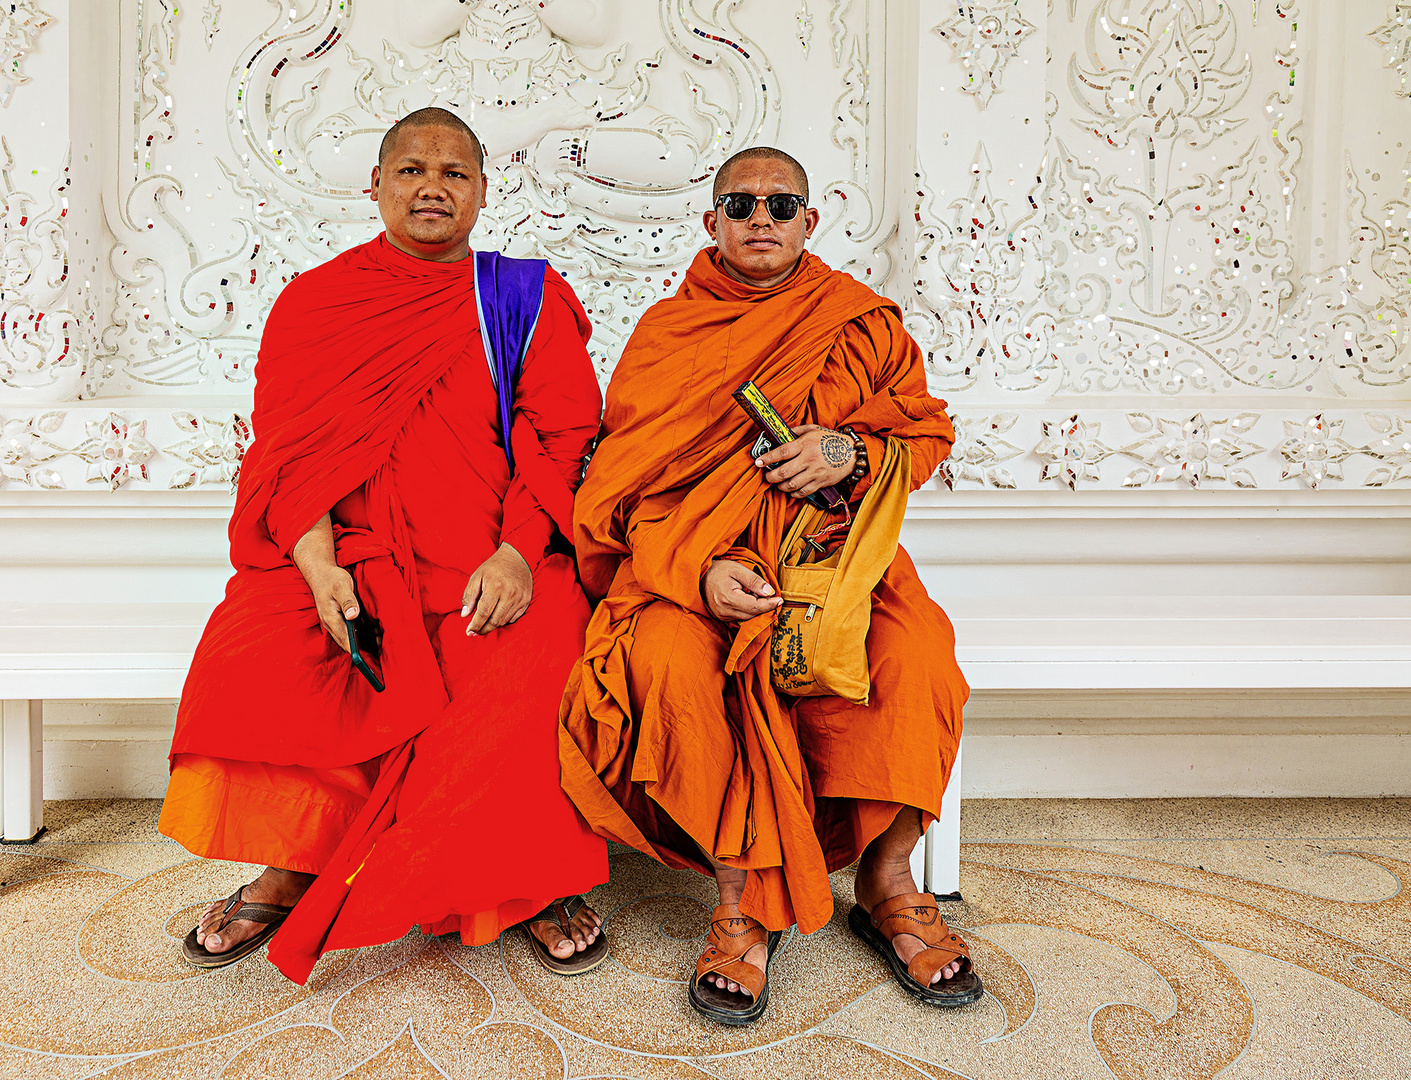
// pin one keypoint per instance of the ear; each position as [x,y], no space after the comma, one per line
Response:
[810,222]
[376,179]
[708,220]
[484,190]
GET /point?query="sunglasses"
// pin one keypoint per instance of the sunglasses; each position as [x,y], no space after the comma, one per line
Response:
[740,205]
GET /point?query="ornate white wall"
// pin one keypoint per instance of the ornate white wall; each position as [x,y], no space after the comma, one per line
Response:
[1158,251]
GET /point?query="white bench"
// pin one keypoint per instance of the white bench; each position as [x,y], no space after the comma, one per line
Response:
[95,652]
[1164,643]
[83,652]
[106,651]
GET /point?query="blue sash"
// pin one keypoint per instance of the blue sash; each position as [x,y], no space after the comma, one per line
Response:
[509,294]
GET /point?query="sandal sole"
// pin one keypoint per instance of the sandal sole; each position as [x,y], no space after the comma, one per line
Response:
[568,967]
[861,924]
[195,954]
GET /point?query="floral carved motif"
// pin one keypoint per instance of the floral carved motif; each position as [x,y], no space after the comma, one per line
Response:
[979,452]
[985,38]
[1192,451]
[115,451]
[1394,36]
[20,25]
[1072,451]
[213,452]
[1314,451]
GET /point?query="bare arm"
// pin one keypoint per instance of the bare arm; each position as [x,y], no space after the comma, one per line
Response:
[331,585]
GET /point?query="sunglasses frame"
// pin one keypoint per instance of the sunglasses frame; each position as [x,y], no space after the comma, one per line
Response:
[800,203]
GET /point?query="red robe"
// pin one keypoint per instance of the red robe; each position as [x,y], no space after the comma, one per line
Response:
[438,798]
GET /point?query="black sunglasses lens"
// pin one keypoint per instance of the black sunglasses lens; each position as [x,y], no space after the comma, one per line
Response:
[738,207]
[782,207]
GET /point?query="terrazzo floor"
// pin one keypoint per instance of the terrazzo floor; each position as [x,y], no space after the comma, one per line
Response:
[1136,939]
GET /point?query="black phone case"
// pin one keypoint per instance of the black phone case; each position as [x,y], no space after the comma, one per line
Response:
[355,653]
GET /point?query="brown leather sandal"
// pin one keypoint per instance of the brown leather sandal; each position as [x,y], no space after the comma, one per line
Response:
[235,910]
[918,915]
[560,913]
[731,936]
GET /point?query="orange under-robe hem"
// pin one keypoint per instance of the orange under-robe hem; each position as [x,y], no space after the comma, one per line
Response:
[289,816]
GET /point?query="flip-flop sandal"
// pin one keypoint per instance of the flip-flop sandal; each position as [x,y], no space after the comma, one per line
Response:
[918,915]
[235,910]
[560,912]
[731,936]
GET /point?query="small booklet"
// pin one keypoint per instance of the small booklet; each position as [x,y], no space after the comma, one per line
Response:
[774,432]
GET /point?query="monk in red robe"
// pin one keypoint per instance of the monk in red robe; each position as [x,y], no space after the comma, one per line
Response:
[673,739]
[411,479]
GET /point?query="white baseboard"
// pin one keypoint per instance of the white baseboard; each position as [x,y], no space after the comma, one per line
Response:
[1204,743]
[1019,744]
[107,749]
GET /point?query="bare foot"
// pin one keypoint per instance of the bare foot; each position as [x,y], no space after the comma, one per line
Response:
[279,887]
[582,928]
[885,871]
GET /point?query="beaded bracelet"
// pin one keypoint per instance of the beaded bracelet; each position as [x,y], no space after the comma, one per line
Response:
[860,464]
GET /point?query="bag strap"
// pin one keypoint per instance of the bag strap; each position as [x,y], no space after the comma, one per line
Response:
[805,522]
[883,505]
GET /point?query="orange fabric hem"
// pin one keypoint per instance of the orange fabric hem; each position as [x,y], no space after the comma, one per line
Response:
[286,816]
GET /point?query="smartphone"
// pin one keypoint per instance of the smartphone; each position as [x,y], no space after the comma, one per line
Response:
[365,648]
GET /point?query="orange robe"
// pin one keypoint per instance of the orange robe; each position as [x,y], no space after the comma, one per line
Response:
[672,739]
[374,402]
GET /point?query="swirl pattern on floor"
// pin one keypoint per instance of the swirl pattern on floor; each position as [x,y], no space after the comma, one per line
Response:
[1136,939]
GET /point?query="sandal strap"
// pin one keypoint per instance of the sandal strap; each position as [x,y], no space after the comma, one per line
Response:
[917,914]
[731,936]
[237,910]
[560,912]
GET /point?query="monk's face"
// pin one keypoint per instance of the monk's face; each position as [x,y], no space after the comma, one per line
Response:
[761,251]
[429,192]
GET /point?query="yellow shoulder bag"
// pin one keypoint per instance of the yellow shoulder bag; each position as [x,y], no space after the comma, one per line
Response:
[819,646]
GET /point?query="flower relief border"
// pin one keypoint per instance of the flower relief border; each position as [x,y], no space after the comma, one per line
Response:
[1193,450]
[43,450]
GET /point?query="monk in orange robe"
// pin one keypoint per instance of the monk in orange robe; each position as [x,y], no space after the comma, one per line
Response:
[672,739]
[414,465]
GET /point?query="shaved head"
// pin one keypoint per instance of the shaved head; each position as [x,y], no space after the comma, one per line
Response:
[759,153]
[428,118]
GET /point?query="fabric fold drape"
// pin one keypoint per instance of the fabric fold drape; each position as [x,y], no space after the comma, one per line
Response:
[672,739]
[374,403]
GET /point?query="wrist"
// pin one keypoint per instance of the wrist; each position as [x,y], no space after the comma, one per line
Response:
[509,549]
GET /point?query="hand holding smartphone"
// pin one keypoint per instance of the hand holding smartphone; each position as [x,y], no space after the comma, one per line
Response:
[365,648]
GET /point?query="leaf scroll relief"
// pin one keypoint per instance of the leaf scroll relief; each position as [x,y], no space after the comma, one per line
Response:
[44,341]
[1158,250]
[21,23]
[601,151]
[985,38]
